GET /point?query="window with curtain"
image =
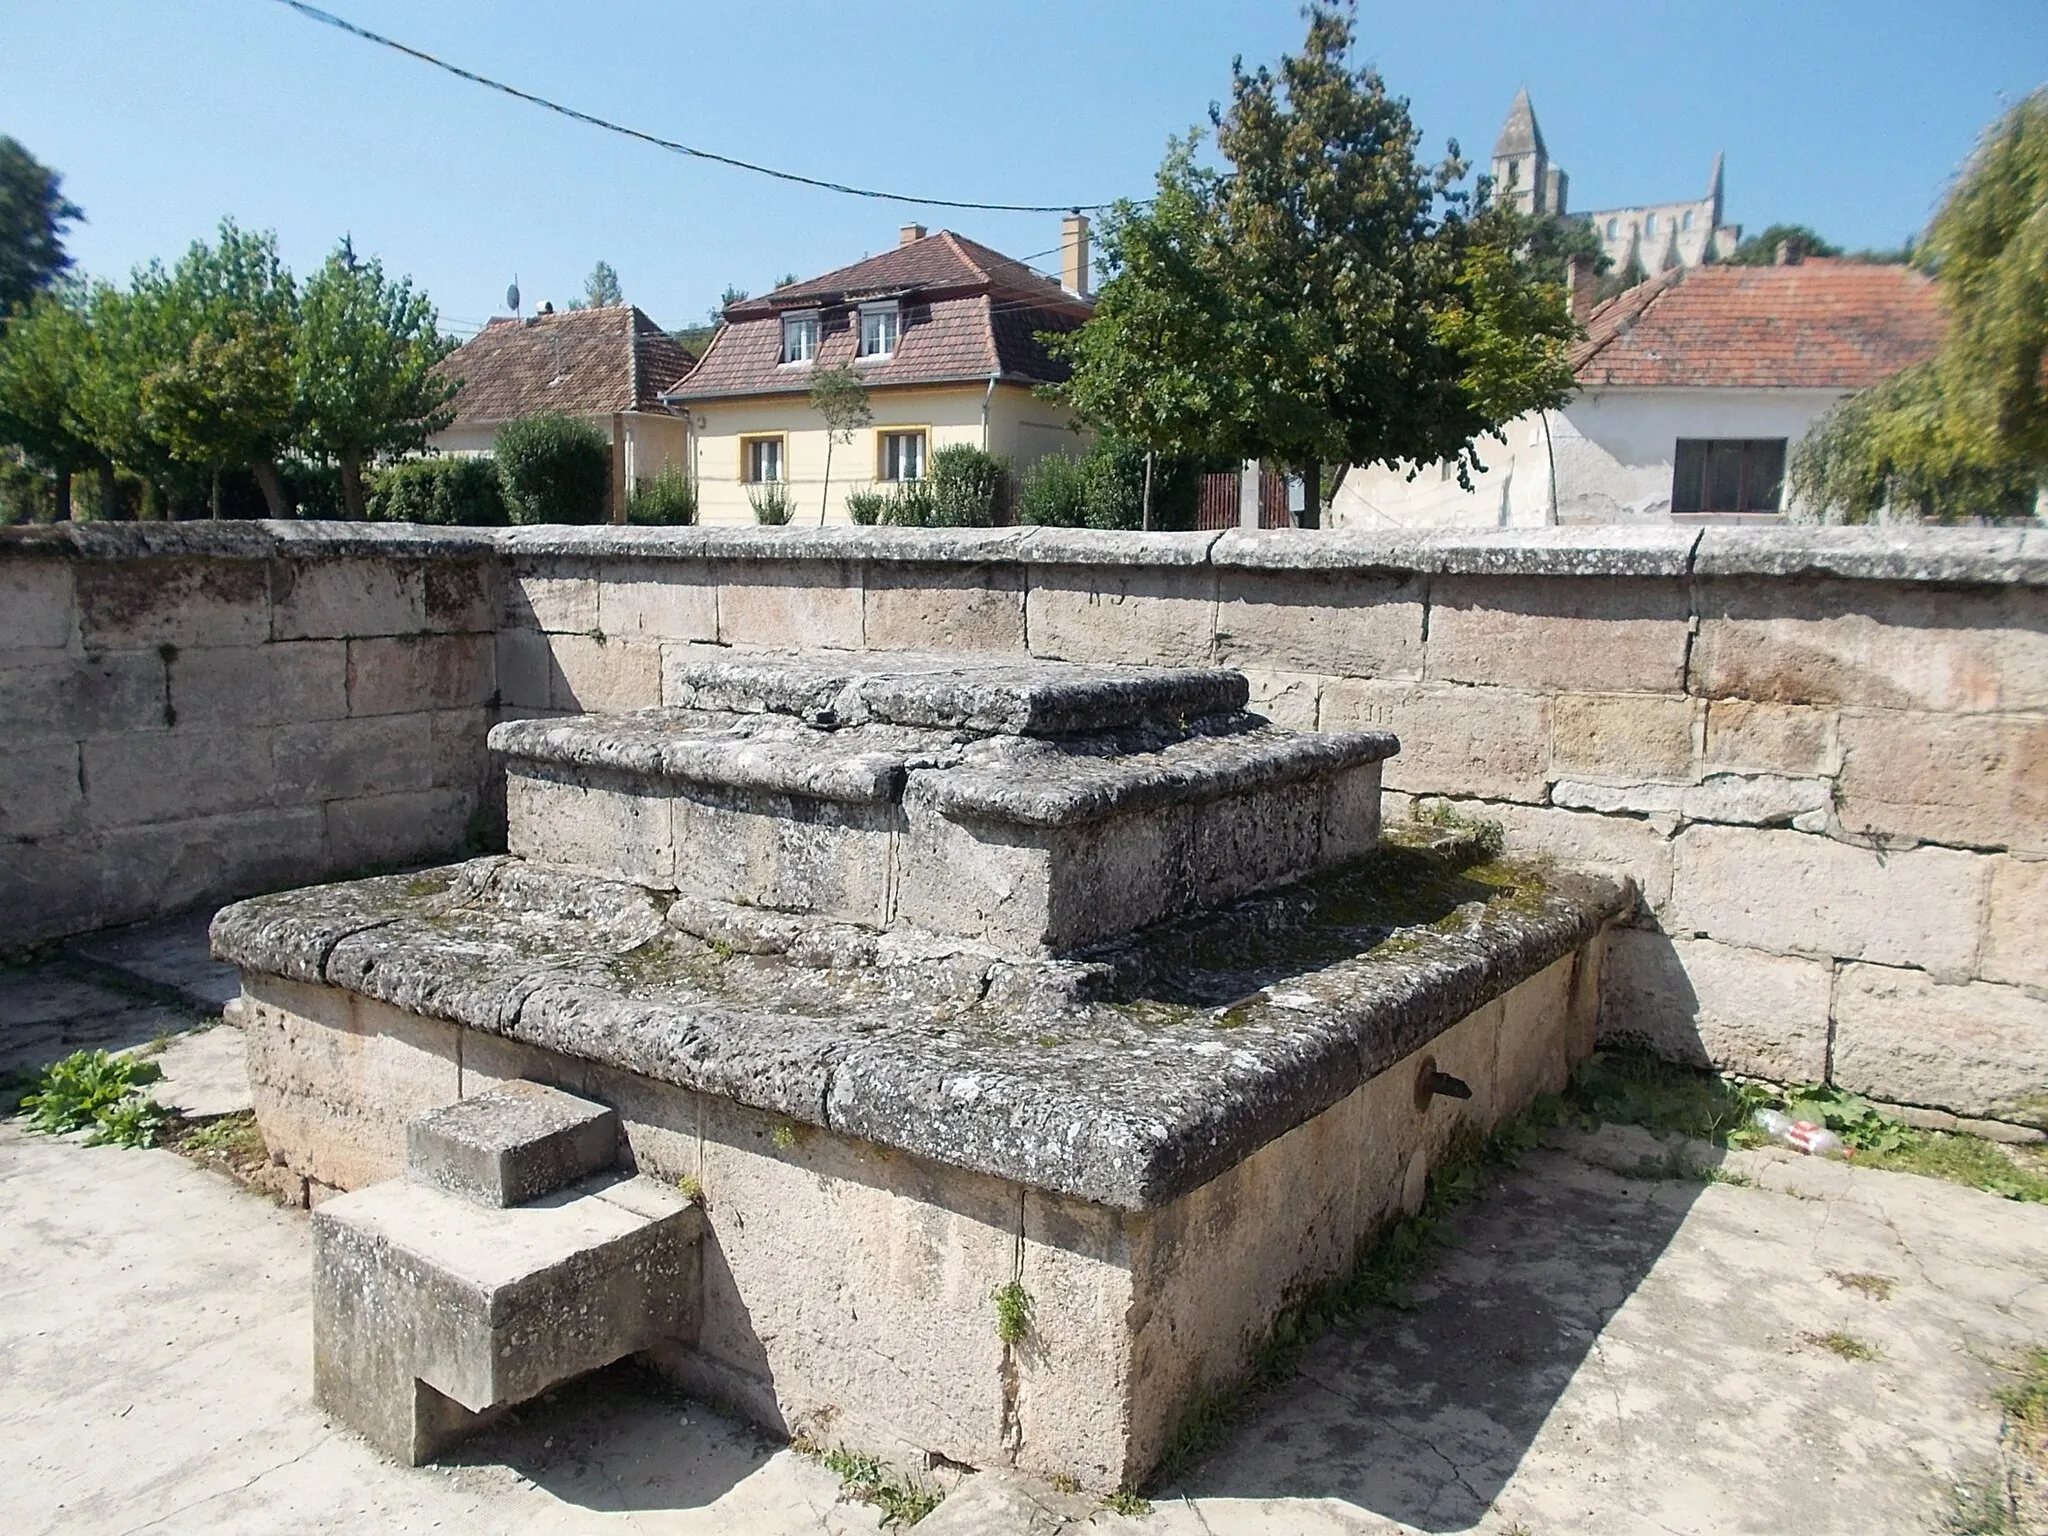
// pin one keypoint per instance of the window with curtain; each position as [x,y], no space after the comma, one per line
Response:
[1728,474]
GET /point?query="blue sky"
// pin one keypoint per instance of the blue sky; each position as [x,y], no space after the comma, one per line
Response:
[1850,115]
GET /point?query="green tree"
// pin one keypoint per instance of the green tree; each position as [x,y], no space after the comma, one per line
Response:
[365,365]
[838,396]
[600,289]
[554,469]
[726,300]
[42,352]
[34,214]
[1328,296]
[1966,433]
[220,395]
[1761,248]
[1545,243]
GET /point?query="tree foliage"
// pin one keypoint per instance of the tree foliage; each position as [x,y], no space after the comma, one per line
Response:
[600,290]
[1965,434]
[841,399]
[34,214]
[554,468]
[1328,296]
[1761,248]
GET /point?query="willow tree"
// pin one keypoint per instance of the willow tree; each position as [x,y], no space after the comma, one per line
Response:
[1325,294]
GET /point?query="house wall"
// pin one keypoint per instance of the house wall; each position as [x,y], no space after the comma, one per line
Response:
[1019,427]
[657,440]
[1614,451]
[1822,754]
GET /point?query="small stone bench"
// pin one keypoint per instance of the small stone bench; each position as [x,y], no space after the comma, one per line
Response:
[506,1261]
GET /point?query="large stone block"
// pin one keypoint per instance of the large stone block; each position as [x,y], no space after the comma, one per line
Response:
[1157,615]
[677,601]
[461,596]
[381,831]
[1520,632]
[1771,738]
[462,756]
[814,606]
[945,608]
[323,599]
[511,1144]
[603,675]
[169,866]
[590,820]
[1623,845]
[346,759]
[137,604]
[788,853]
[1288,699]
[1344,624]
[1791,893]
[1980,781]
[1488,742]
[41,789]
[1714,1005]
[65,698]
[1609,736]
[1255,841]
[287,682]
[1873,644]
[172,775]
[400,674]
[36,611]
[551,599]
[525,670]
[1975,1049]
[2016,923]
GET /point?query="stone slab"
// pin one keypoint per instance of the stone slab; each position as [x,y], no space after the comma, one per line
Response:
[1974,1049]
[511,1145]
[171,952]
[205,1074]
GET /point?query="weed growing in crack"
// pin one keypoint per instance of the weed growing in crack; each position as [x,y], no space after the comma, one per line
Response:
[1128,1501]
[868,1479]
[1845,1345]
[692,1188]
[1876,1287]
[91,1090]
[783,1137]
[1013,1312]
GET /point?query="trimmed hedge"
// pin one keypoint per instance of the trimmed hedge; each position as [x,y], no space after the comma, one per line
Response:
[554,469]
[668,500]
[445,492]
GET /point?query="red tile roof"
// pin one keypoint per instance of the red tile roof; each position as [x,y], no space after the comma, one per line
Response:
[586,362]
[1816,324]
[967,313]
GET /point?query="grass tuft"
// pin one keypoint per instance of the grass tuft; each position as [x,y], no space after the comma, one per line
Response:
[1876,1287]
[1128,1501]
[1845,1345]
[869,1479]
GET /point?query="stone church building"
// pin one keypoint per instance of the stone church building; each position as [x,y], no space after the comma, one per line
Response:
[1659,235]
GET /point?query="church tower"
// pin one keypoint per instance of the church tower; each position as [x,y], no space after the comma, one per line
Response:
[1522,172]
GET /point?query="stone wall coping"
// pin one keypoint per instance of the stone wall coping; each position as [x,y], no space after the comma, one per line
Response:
[1956,556]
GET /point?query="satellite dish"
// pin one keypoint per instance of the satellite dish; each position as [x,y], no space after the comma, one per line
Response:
[512,296]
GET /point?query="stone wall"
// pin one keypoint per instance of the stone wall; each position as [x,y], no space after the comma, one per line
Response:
[1822,753]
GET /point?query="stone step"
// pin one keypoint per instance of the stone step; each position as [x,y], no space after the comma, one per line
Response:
[432,1312]
[512,1144]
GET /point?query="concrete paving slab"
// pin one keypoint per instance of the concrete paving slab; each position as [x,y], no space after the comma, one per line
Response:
[171,953]
[206,1074]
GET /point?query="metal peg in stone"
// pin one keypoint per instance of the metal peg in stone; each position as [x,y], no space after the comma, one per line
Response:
[1430,1084]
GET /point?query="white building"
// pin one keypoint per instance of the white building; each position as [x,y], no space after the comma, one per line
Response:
[1694,386]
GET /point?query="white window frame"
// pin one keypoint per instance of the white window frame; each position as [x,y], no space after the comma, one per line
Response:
[805,324]
[750,448]
[889,318]
[888,437]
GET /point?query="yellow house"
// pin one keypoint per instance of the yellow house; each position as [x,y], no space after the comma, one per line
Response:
[943,332]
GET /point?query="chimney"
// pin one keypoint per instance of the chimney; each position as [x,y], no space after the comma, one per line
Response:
[909,234]
[1074,254]
[1582,286]
[1785,257]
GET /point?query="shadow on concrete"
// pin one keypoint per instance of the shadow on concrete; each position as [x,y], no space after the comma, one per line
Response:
[1422,1416]
[621,1440]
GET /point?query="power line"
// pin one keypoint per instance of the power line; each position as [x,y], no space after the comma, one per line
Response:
[328,18]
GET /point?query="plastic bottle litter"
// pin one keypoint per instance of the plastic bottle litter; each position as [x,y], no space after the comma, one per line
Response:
[1799,1135]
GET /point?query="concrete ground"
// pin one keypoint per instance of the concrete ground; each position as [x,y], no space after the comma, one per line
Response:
[1598,1351]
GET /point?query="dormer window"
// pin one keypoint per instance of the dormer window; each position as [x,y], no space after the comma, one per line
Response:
[877,330]
[799,338]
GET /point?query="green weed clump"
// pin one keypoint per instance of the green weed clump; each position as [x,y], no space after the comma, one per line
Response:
[866,1478]
[1013,1312]
[91,1090]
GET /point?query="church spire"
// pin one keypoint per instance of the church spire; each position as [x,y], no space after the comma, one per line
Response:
[1519,135]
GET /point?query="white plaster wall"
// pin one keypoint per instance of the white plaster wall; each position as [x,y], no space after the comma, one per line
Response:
[1613,451]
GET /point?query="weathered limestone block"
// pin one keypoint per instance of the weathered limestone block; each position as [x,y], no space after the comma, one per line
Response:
[400,674]
[551,602]
[167,866]
[1744,799]
[36,610]
[281,683]
[1789,893]
[413,827]
[1980,781]
[461,596]
[1714,1005]
[174,775]
[589,819]
[971,608]
[41,790]
[461,748]
[602,675]
[525,670]
[1873,645]
[785,852]
[344,759]
[768,603]
[1159,616]
[1974,1049]
[511,1145]
[1339,624]
[1623,736]
[1288,699]
[2015,943]
[429,1311]
[67,698]
[670,601]
[348,599]
[138,604]
[1486,742]
[1620,634]
[1771,738]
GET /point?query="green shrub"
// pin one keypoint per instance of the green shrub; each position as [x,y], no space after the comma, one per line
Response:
[90,1089]
[773,505]
[444,492]
[866,507]
[668,500]
[910,505]
[315,489]
[554,469]
[968,487]
[1105,488]
[1054,492]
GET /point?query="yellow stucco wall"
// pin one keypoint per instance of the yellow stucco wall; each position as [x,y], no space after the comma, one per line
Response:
[1020,428]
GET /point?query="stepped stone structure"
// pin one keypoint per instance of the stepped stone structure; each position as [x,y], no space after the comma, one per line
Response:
[939,979]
